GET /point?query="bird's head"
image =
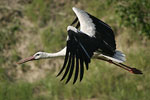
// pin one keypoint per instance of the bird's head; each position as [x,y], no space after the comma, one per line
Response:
[36,56]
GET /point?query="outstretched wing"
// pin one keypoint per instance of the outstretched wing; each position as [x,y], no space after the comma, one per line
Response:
[105,33]
[94,27]
[78,54]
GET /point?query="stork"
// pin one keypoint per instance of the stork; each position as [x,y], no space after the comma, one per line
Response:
[95,39]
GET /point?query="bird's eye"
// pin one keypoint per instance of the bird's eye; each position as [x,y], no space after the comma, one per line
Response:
[37,54]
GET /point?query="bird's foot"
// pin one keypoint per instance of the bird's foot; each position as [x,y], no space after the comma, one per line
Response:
[135,71]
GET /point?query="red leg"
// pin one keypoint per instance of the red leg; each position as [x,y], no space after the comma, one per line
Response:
[121,65]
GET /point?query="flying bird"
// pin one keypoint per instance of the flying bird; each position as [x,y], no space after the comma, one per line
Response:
[90,38]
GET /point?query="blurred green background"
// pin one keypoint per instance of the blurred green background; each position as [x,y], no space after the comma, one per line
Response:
[28,26]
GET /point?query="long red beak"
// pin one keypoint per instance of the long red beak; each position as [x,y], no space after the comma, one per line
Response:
[26,60]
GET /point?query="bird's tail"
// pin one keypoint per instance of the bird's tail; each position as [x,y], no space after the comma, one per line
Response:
[117,57]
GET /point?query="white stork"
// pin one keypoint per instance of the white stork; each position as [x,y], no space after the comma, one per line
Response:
[95,38]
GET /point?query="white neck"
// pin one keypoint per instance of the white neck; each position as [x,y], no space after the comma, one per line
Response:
[61,53]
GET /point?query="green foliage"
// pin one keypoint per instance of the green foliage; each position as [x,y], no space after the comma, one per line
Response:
[135,14]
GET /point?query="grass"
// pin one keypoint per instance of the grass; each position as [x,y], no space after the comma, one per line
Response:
[16,91]
[39,11]
[49,36]
[102,81]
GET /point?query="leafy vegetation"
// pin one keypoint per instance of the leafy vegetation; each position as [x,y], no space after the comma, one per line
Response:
[135,14]
[41,24]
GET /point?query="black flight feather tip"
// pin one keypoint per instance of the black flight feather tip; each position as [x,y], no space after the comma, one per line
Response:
[81,65]
[71,69]
[68,67]
[77,67]
[65,62]
[81,69]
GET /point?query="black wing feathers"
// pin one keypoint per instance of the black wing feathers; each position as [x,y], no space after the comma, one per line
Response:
[65,62]
[105,34]
[104,31]
[81,68]
[80,50]
[68,67]
[77,67]
[72,68]
[75,20]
